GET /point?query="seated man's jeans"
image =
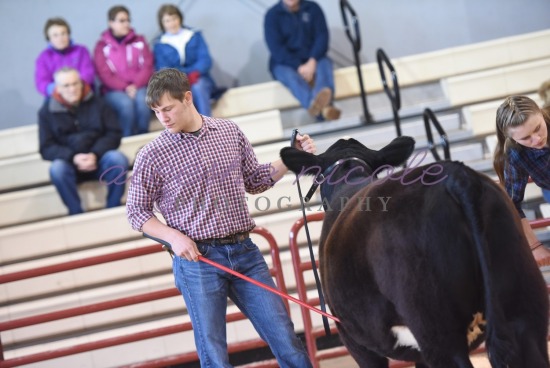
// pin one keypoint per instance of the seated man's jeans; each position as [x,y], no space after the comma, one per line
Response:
[112,170]
[304,93]
[205,289]
[546,195]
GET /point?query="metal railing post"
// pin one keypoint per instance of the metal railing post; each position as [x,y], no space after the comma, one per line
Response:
[429,116]
[393,94]
[356,45]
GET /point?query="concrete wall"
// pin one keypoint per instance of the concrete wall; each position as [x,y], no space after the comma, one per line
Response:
[234,32]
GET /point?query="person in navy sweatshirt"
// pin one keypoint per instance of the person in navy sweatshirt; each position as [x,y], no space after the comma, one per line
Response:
[297,36]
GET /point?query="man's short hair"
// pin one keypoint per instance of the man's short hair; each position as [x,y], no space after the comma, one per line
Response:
[168,80]
[65,69]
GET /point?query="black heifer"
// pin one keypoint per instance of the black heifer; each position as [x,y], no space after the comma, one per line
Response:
[423,264]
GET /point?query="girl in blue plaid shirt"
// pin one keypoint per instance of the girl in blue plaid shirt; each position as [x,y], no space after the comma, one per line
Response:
[522,152]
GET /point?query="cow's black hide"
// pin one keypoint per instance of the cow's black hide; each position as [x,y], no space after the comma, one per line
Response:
[427,250]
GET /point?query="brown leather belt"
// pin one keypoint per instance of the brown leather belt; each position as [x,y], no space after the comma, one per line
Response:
[230,239]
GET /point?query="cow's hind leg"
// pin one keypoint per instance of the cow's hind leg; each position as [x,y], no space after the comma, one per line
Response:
[422,365]
[436,358]
[364,357]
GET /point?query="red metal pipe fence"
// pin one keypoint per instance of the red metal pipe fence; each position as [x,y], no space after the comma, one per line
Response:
[275,270]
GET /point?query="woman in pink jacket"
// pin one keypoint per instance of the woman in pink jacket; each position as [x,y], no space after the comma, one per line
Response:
[124,64]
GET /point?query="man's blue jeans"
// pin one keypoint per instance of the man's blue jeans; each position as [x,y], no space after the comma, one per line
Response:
[546,195]
[202,91]
[133,113]
[65,177]
[205,290]
[304,93]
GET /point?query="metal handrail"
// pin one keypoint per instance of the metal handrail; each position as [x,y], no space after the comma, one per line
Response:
[394,93]
[356,46]
[429,116]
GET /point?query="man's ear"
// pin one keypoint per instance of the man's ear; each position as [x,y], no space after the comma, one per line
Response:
[188,97]
[299,161]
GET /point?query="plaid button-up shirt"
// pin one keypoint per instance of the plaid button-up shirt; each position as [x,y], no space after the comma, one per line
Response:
[524,162]
[197,182]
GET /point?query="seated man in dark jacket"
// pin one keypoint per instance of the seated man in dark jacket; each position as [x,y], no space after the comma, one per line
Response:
[80,134]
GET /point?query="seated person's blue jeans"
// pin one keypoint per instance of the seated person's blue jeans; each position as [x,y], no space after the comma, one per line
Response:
[202,92]
[111,165]
[304,93]
[133,113]
[205,290]
[546,195]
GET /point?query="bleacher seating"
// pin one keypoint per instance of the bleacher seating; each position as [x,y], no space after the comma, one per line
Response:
[44,202]
[34,232]
[415,69]
[520,78]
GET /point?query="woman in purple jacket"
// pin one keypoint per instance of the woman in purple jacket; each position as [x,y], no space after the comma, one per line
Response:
[124,64]
[61,51]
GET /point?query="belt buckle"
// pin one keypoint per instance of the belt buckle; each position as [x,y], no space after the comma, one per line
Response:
[234,238]
[241,236]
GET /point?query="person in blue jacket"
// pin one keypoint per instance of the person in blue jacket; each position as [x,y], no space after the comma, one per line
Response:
[185,49]
[297,36]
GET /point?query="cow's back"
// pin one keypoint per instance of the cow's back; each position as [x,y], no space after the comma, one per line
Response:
[406,244]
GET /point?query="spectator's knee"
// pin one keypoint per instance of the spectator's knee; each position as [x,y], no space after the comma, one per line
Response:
[116,158]
[60,169]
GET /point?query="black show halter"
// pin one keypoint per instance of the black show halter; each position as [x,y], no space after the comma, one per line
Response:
[322,303]
[318,180]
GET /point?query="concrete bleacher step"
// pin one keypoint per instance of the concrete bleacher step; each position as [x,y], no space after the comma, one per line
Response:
[414,99]
[18,141]
[36,204]
[377,135]
[496,83]
[108,226]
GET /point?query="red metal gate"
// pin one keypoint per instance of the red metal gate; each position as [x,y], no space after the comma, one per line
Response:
[275,269]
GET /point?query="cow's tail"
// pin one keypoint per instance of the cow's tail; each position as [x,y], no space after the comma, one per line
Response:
[466,187]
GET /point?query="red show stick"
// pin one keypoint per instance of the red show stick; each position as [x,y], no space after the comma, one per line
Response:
[168,247]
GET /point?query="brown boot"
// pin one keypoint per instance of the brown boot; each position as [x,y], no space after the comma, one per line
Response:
[331,113]
[320,101]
